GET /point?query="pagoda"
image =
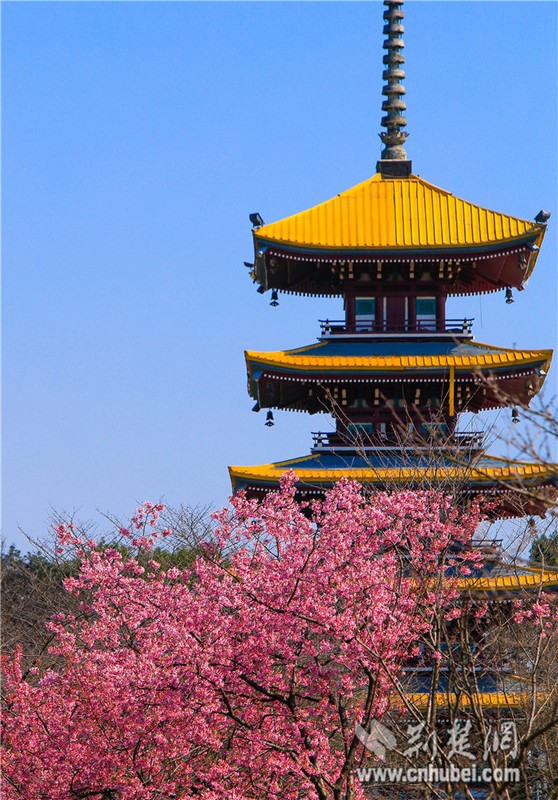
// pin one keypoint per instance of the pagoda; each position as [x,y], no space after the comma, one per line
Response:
[397,371]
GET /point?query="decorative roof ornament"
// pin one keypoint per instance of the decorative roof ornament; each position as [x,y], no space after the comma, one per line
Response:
[394,137]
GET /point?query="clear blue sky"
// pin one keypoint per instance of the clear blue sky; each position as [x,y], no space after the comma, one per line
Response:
[137,139]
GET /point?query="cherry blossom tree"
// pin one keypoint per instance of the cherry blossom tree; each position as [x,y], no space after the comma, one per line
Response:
[32,584]
[247,674]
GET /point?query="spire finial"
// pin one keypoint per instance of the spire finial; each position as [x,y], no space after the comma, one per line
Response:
[394,121]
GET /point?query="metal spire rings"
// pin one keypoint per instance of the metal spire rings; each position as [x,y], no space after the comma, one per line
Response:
[394,121]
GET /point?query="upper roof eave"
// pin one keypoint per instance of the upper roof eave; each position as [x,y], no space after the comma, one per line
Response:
[535,236]
[397,214]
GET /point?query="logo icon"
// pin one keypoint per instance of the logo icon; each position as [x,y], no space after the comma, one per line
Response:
[378,739]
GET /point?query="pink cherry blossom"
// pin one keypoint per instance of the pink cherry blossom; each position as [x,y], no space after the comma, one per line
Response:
[241,676]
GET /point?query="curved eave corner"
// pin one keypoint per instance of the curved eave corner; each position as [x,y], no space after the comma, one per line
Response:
[534,256]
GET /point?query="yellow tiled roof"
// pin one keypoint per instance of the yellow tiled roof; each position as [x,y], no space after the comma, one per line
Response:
[484,699]
[515,472]
[532,580]
[406,213]
[295,359]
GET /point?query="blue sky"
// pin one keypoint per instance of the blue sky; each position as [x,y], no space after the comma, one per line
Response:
[137,138]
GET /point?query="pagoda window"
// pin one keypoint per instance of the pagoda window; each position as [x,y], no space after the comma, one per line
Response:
[434,430]
[357,431]
[426,313]
[365,313]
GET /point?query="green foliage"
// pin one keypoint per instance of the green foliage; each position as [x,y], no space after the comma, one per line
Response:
[33,584]
[32,591]
[182,556]
[544,550]
[41,565]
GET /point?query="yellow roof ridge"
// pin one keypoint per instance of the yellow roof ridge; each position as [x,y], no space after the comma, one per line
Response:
[394,474]
[500,699]
[290,359]
[511,581]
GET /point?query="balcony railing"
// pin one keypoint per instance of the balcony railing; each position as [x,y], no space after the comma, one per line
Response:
[403,440]
[339,327]
[474,441]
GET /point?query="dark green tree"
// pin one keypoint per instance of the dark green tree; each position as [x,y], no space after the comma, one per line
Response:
[33,584]
[544,550]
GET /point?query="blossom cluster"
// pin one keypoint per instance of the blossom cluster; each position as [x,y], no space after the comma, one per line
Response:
[241,676]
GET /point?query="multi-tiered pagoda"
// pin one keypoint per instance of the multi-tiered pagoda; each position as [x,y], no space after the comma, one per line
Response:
[397,371]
